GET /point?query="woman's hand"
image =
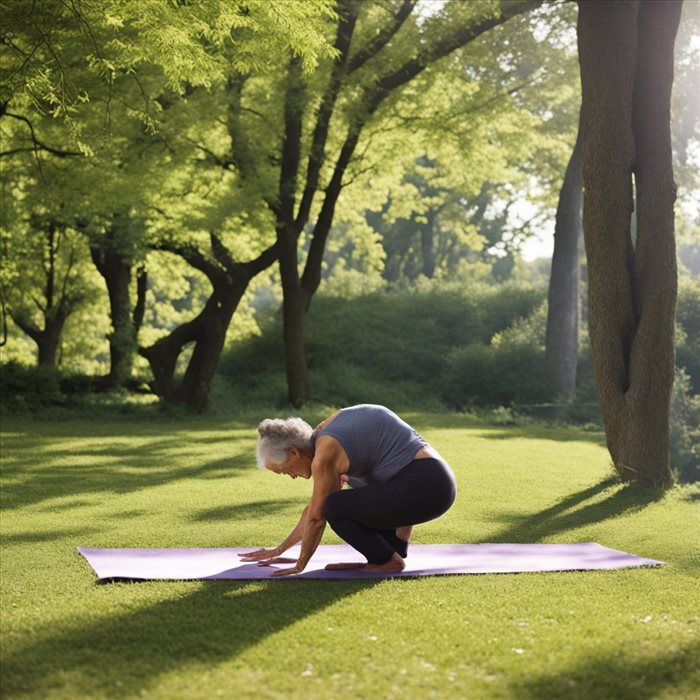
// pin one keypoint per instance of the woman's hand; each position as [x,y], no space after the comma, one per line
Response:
[288,572]
[261,554]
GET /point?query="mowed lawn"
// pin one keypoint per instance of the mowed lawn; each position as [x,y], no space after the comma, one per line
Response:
[162,483]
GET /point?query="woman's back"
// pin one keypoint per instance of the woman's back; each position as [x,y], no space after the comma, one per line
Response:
[377,442]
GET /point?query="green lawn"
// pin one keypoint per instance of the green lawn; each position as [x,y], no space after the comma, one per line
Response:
[162,483]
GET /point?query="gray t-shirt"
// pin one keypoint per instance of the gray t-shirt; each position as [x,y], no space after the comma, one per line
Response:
[377,442]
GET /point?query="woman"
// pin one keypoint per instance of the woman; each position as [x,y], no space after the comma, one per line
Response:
[397,481]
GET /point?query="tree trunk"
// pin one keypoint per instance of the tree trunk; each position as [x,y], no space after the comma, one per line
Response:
[626,57]
[294,305]
[427,244]
[47,341]
[564,302]
[208,329]
[208,332]
[196,384]
[114,264]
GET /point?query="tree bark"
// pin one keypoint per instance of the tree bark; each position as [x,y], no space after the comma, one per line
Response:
[626,57]
[294,306]
[427,244]
[112,256]
[208,329]
[48,339]
[564,301]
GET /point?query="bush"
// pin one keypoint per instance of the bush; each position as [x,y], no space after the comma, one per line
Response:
[688,334]
[685,430]
[24,387]
[500,375]
[387,347]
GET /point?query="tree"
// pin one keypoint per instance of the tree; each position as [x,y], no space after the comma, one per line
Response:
[47,285]
[564,297]
[132,63]
[626,57]
[392,64]
[233,184]
[115,253]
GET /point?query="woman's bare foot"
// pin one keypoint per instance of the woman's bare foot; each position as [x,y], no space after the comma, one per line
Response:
[404,533]
[393,566]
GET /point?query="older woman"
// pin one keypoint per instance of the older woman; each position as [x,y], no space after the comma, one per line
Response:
[397,481]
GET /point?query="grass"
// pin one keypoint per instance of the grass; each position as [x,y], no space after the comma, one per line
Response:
[617,634]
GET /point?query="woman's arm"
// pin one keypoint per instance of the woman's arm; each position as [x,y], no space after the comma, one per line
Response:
[271,556]
[326,481]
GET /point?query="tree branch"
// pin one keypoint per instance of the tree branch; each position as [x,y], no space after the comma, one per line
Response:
[140,306]
[461,37]
[291,146]
[317,154]
[312,269]
[193,256]
[221,253]
[387,33]
[27,327]
[267,257]
[38,145]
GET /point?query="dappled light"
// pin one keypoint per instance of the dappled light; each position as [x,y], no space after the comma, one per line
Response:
[438,261]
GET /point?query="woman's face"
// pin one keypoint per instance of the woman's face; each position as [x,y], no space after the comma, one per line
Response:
[297,464]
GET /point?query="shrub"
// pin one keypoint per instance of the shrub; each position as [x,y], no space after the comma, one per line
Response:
[685,430]
[25,387]
[500,375]
[688,333]
[388,346]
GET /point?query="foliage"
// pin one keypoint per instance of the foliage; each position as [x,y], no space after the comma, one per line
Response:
[27,388]
[508,370]
[489,130]
[688,330]
[685,430]
[388,346]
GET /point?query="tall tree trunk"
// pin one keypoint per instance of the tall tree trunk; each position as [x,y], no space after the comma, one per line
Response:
[626,57]
[564,298]
[427,235]
[294,305]
[48,340]
[113,260]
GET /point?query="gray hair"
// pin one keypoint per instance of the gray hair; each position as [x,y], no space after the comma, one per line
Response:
[277,435]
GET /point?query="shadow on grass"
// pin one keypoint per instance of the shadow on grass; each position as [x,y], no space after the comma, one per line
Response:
[544,432]
[493,431]
[639,678]
[567,515]
[254,509]
[125,654]
[48,536]
[30,485]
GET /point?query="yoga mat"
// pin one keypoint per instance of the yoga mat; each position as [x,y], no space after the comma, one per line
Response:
[423,560]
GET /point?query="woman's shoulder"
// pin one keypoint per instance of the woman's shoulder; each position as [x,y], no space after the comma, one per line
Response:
[325,422]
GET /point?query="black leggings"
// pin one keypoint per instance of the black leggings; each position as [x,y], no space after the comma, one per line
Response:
[367,517]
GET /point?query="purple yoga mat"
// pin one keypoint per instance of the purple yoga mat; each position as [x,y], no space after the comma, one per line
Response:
[423,560]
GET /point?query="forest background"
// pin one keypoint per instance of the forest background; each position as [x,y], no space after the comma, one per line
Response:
[235,206]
